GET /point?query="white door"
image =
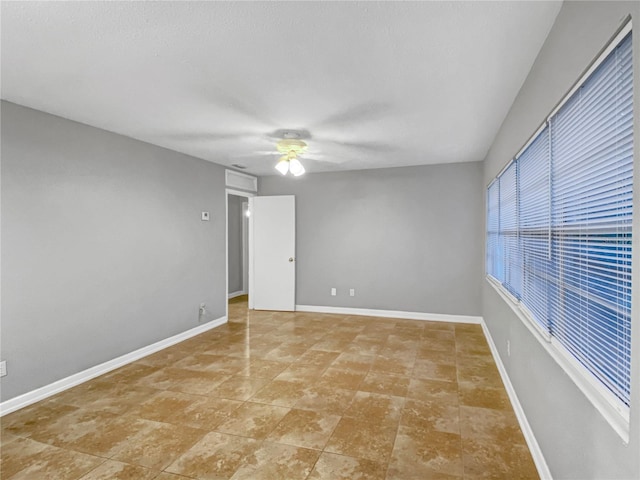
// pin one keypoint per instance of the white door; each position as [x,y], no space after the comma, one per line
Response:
[273,283]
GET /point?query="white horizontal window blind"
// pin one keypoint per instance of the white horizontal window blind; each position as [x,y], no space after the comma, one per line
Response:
[563,213]
[592,190]
[509,229]
[494,253]
[534,226]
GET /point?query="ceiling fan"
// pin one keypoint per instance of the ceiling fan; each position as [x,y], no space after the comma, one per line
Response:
[333,141]
[291,147]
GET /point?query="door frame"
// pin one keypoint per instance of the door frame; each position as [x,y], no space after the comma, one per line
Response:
[247,195]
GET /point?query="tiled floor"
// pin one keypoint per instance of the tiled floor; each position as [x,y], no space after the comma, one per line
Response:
[287,396]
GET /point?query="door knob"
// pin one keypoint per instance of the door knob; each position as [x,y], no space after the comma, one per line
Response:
[291,259]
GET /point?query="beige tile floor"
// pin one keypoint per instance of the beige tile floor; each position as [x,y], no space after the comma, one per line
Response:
[274,395]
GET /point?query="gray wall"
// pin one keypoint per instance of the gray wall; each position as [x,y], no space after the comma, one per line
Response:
[103,249]
[575,439]
[235,243]
[404,238]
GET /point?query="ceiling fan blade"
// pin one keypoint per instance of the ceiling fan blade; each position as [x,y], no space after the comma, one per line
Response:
[257,154]
[356,114]
[221,137]
[369,146]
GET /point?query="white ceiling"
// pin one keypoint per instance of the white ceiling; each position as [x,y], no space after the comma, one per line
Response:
[370,84]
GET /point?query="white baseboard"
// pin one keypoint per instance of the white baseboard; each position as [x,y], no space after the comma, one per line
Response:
[534,448]
[237,294]
[434,317]
[41,393]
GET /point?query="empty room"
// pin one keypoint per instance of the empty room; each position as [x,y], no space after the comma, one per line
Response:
[319,240]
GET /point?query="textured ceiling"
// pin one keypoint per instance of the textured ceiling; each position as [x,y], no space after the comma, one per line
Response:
[369,84]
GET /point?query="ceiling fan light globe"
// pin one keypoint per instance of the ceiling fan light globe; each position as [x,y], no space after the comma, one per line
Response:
[296,167]
[283,166]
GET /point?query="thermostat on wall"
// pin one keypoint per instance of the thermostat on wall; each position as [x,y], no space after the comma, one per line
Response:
[205,216]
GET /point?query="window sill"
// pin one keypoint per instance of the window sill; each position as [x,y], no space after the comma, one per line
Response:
[615,413]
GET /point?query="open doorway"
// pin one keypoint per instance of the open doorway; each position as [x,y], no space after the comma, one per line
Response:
[237,248]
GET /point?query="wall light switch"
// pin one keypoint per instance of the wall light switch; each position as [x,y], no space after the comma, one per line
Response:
[3,368]
[333,292]
[205,216]
[352,292]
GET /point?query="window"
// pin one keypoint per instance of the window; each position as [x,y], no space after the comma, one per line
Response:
[559,225]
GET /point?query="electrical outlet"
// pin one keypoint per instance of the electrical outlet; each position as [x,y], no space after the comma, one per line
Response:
[205,216]
[333,292]
[202,311]
[3,368]
[352,292]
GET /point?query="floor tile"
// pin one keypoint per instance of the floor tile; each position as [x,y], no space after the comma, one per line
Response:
[471,342]
[304,428]
[331,344]
[431,415]
[239,387]
[273,461]
[35,417]
[318,358]
[427,389]
[474,395]
[157,444]
[285,354]
[280,392]
[498,426]
[436,356]
[430,326]
[479,370]
[105,396]
[392,366]
[169,476]
[215,456]
[18,455]
[255,420]
[94,432]
[112,470]
[6,437]
[222,364]
[162,405]
[434,371]
[322,398]
[438,340]
[263,369]
[205,413]
[375,408]
[484,459]
[338,378]
[301,372]
[363,439]
[339,467]
[129,374]
[377,382]
[416,455]
[163,358]
[353,362]
[28,460]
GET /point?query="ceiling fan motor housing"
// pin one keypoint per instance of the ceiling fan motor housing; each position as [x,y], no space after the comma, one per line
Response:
[294,145]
